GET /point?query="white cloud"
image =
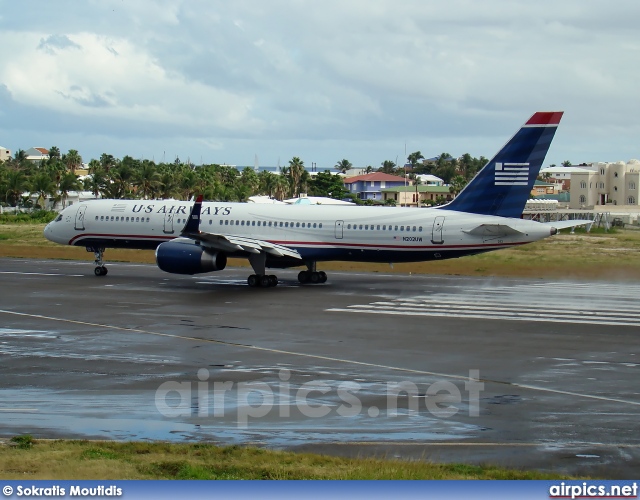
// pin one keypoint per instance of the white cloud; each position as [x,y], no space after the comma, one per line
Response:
[358,76]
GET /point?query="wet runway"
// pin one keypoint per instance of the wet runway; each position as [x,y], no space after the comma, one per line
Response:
[524,373]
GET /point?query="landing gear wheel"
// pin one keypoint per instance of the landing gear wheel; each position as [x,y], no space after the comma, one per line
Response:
[315,278]
[303,277]
[252,281]
[323,276]
[265,282]
[273,280]
[100,271]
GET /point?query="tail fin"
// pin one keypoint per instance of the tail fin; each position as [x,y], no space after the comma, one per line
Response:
[503,186]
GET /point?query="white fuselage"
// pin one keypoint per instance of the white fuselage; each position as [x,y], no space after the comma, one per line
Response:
[318,233]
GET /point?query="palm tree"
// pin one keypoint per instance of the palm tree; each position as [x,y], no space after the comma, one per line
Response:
[281,187]
[296,167]
[566,163]
[72,160]
[414,158]
[14,185]
[54,153]
[388,167]
[147,179]
[43,185]
[343,166]
[69,182]
[457,184]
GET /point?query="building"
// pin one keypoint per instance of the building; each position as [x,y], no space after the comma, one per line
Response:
[369,186]
[430,180]
[5,154]
[607,184]
[541,188]
[410,195]
[562,175]
[37,154]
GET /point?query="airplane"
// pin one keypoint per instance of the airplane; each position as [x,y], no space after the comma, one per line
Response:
[198,237]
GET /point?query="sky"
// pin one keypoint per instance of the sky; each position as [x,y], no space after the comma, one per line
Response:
[365,80]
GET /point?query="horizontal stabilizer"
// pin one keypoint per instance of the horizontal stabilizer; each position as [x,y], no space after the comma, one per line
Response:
[563,224]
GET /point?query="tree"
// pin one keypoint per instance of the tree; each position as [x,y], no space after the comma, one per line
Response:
[296,168]
[328,185]
[566,163]
[146,179]
[72,160]
[388,167]
[69,182]
[414,158]
[457,184]
[343,166]
[15,184]
[43,185]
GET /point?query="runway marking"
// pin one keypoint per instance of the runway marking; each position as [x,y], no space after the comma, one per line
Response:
[539,302]
[42,274]
[325,358]
[500,445]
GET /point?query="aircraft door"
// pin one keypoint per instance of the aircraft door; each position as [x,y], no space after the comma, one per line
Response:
[80,218]
[168,223]
[339,229]
[436,233]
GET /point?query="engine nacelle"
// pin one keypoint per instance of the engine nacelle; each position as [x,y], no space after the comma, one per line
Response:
[186,257]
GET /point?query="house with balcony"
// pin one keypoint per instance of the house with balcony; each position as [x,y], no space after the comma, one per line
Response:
[370,186]
[410,196]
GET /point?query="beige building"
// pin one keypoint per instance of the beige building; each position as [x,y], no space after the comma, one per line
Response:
[608,184]
[5,154]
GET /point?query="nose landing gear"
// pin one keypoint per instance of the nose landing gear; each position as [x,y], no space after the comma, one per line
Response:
[101,269]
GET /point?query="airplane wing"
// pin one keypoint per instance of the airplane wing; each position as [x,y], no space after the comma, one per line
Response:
[230,243]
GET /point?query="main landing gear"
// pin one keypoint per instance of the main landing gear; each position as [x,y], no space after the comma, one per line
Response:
[101,269]
[311,275]
[260,279]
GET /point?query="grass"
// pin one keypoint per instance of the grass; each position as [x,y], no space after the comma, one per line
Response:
[62,459]
[596,255]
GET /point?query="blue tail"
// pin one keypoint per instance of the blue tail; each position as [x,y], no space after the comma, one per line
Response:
[504,185]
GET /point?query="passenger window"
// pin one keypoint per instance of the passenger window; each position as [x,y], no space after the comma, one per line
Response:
[237,223]
[112,218]
[401,228]
[253,223]
[314,225]
[420,229]
[378,228]
[320,225]
[226,222]
[396,228]
[137,219]
[414,229]
[297,224]
[366,226]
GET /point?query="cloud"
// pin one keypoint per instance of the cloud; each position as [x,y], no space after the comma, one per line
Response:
[354,76]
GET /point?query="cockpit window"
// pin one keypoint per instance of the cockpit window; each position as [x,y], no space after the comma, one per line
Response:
[59,218]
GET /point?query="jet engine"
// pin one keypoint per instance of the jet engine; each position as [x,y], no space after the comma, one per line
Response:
[187,257]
